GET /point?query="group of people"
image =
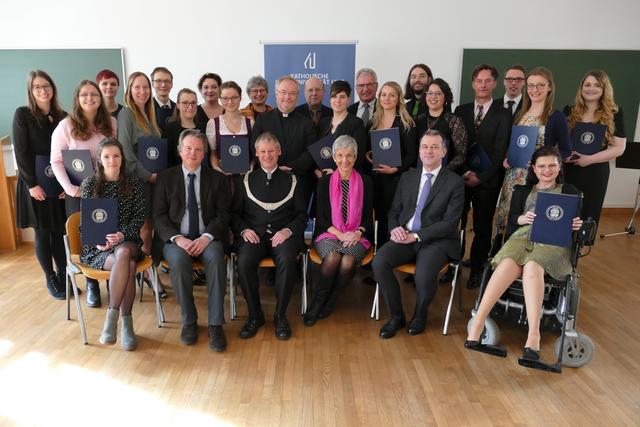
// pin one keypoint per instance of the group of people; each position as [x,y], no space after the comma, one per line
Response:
[195,210]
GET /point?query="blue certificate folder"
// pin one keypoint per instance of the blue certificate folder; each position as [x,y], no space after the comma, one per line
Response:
[234,153]
[554,217]
[152,153]
[385,147]
[98,217]
[78,165]
[45,177]
[522,145]
[478,160]
[321,152]
[587,138]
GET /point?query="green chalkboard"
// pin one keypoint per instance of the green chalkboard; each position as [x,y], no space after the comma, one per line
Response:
[568,67]
[67,67]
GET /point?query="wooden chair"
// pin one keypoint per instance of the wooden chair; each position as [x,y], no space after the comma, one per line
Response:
[74,267]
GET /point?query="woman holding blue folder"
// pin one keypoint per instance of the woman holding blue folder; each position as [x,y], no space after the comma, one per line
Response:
[121,249]
[537,110]
[590,173]
[521,258]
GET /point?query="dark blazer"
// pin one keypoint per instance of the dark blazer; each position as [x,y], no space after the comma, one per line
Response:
[353,108]
[422,108]
[294,143]
[492,134]
[306,111]
[519,199]
[441,212]
[163,114]
[518,107]
[247,214]
[323,207]
[352,126]
[169,203]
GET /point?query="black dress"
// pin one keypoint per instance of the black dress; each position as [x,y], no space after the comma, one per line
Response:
[592,180]
[32,138]
[453,129]
[171,131]
[352,126]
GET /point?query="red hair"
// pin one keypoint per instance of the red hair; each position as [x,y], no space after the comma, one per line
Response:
[106,74]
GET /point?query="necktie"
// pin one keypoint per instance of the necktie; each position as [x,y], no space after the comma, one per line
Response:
[166,107]
[416,108]
[366,115]
[510,106]
[417,216]
[479,116]
[192,208]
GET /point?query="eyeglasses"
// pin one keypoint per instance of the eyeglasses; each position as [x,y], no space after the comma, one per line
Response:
[89,95]
[366,85]
[285,93]
[513,79]
[229,98]
[161,82]
[187,104]
[257,91]
[434,94]
[538,86]
[38,88]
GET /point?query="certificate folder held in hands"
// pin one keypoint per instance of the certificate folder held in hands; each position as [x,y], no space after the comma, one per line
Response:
[478,161]
[45,177]
[385,147]
[554,219]
[587,138]
[321,152]
[98,217]
[234,153]
[78,165]
[152,153]
[522,145]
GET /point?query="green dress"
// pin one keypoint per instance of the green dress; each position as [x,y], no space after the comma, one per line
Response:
[555,260]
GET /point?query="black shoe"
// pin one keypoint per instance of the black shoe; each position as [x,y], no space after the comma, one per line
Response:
[485,348]
[530,354]
[447,276]
[189,334]
[369,281]
[417,326]
[52,287]
[283,330]
[199,278]
[474,280]
[250,328]
[389,329]
[93,294]
[310,318]
[162,293]
[61,280]
[217,340]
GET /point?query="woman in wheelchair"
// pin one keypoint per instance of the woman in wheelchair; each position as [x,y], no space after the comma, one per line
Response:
[121,249]
[521,258]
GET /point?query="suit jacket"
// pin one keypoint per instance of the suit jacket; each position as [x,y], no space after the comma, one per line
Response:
[422,108]
[306,111]
[163,114]
[353,108]
[493,135]
[170,202]
[294,143]
[500,100]
[352,126]
[441,212]
[247,214]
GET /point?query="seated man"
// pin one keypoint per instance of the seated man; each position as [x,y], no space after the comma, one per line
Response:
[269,219]
[191,215]
[423,222]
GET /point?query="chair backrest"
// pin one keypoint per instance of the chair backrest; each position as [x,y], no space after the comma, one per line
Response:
[73,233]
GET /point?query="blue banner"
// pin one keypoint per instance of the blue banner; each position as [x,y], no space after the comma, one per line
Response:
[328,62]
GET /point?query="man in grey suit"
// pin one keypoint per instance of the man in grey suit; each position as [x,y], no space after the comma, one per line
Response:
[191,211]
[423,224]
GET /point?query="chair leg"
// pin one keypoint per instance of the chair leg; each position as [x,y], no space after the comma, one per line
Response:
[375,309]
[140,283]
[305,266]
[67,287]
[153,275]
[83,330]
[445,330]
[232,288]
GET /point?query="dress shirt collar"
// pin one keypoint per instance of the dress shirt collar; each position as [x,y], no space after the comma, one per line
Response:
[485,107]
[186,172]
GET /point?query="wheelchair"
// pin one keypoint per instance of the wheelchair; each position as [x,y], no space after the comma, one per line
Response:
[559,310]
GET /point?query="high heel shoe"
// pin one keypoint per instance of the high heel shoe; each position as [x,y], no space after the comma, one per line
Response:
[530,354]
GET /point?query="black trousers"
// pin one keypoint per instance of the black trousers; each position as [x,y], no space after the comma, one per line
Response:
[285,257]
[429,260]
[484,202]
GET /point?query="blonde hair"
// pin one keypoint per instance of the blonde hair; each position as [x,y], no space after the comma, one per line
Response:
[401,108]
[606,109]
[546,74]
[150,125]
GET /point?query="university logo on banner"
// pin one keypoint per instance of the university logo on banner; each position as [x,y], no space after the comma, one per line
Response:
[328,62]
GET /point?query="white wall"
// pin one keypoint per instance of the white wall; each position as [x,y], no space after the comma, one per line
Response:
[225,36]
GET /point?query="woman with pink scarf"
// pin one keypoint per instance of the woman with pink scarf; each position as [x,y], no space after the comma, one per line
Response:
[343,219]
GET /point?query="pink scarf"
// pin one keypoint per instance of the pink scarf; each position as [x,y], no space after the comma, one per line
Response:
[354,206]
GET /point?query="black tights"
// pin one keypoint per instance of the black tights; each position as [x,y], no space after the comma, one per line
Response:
[50,244]
[122,283]
[336,272]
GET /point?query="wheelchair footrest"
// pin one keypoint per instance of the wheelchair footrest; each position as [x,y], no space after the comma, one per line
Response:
[540,365]
[493,350]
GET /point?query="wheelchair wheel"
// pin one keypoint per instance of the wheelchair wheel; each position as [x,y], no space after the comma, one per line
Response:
[578,351]
[491,333]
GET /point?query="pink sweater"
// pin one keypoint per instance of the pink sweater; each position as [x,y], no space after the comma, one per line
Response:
[61,139]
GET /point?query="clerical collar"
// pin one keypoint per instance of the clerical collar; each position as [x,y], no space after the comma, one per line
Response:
[285,114]
[269,173]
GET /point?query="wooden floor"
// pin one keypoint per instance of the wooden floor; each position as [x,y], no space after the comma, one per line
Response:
[336,373]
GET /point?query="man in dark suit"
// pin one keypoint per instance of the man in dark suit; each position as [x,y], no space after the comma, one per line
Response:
[488,125]
[423,222]
[269,218]
[294,132]
[191,214]
[162,82]
[513,83]
[418,80]
[366,88]
[313,108]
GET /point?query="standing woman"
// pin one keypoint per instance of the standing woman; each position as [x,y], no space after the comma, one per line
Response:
[537,110]
[209,87]
[109,84]
[391,112]
[590,173]
[121,249]
[183,118]
[32,128]
[87,124]
[231,122]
